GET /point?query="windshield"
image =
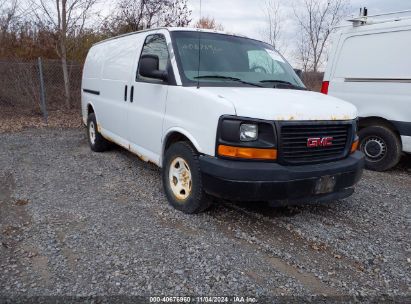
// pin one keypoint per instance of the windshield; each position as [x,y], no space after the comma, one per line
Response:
[231,61]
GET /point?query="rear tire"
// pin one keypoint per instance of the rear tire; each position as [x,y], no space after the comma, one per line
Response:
[182,180]
[381,146]
[96,141]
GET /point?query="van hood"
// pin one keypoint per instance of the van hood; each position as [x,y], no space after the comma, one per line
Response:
[284,104]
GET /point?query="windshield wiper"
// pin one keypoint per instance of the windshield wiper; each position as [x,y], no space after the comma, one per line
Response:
[228,78]
[286,83]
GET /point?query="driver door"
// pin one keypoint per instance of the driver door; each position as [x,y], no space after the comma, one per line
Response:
[147,107]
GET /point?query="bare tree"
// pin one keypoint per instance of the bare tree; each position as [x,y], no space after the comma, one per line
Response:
[66,17]
[177,14]
[271,33]
[135,15]
[209,23]
[8,17]
[304,52]
[316,20]
[8,14]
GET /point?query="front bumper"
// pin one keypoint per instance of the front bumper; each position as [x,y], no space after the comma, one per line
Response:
[262,181]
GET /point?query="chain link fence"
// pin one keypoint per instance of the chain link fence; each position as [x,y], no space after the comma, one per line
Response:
[21,89]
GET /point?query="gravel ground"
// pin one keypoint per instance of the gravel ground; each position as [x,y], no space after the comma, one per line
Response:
[73,222]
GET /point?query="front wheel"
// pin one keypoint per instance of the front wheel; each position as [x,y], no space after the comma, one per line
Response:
[381,146]
[96,141]
[182,179]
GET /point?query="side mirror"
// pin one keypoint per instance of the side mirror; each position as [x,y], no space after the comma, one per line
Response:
[299,73]
[148,67]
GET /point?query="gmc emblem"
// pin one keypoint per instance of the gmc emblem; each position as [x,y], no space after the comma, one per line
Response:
[314,142]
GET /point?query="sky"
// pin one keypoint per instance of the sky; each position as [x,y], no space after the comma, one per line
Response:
[247,17]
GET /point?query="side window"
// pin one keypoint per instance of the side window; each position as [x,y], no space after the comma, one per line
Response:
[155,45]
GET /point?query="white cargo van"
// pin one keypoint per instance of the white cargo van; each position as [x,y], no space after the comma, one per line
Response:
[370,66]
[232,120]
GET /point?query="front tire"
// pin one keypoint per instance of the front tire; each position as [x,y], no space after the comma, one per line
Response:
[381,146]
[182,180]
[96,141]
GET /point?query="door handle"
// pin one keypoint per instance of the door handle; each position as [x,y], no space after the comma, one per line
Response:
[132,94]
[125,93]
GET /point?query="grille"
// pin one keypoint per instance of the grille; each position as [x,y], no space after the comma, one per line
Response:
[293,143]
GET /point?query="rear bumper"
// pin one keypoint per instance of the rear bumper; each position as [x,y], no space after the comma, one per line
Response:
[262,181]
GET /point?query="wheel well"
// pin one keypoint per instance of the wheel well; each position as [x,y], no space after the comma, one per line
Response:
[89,109]
[176,137]
[377,121]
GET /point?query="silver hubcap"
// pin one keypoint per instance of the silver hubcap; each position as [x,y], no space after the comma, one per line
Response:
[92,132]
[179,176]
[374,148]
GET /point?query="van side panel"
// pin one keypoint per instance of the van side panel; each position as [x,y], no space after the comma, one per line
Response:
[391,101]
[372,70]
[119,57]
[379,55]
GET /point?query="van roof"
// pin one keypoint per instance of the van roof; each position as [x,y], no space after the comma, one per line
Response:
[372,25]
[173,29]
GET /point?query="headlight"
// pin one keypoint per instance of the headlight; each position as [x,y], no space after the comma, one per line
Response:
[248,132]
[246,138]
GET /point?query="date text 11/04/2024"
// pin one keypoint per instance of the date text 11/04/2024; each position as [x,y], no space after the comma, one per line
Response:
[203,299]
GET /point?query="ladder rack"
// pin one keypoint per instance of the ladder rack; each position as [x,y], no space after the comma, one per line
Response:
[381,18]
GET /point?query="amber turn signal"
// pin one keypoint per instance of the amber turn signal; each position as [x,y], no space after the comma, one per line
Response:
[354,146]
[248,153]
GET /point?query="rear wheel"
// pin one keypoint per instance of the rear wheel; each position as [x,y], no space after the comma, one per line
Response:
[96,141]
[182,179]
[381,146]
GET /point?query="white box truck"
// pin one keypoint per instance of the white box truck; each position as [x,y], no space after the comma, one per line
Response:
[370,66]
[222,115]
